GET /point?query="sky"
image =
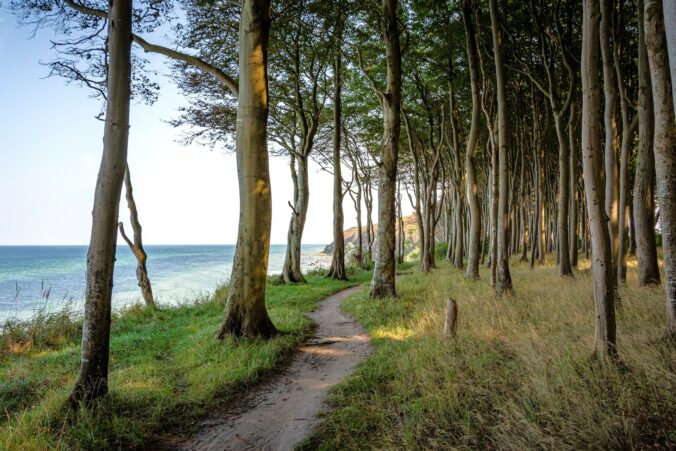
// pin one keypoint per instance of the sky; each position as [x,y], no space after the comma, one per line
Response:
[50,149]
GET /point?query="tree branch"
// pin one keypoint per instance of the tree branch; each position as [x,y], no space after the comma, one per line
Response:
[148,47]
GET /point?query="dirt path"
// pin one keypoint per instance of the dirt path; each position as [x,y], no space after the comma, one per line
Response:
[281,412]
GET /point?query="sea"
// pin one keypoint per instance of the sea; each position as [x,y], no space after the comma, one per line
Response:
[49,278]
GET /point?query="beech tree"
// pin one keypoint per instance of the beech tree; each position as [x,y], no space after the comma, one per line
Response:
[337,269]
[245,312]
[604,286]
[644,184]
[104,63]
[92,379]
[383,283]
[299,93]
[504,279]
[470,155]
[136,243]
[665,145]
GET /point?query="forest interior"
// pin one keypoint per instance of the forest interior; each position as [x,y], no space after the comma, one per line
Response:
[529,302]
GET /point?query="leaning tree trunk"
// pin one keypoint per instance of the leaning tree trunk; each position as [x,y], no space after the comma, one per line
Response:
[383,283]
[665,146]
[470,155]
[136,246]
[291,271]
[92,379]
[503,282]
[245,312]
[612,138]
[604,287]
[644,184]
[337,269]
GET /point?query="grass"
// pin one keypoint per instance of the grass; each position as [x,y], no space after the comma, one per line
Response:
[518,375]
[166,372]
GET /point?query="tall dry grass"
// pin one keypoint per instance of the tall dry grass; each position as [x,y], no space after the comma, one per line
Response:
[518,375]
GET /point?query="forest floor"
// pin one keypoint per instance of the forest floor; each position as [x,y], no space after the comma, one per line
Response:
[167,373]
[517,376]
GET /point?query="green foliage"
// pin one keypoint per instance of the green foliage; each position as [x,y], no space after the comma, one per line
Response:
[518,375]
[167,371]
[440,250]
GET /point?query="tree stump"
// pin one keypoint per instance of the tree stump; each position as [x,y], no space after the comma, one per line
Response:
[451,318]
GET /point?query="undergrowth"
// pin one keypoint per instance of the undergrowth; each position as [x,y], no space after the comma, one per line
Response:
[518,375]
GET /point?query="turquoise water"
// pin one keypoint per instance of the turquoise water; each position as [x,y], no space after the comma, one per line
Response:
[33,277]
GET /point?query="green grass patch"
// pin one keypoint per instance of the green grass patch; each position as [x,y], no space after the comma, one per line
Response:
[166,371]
[518,375]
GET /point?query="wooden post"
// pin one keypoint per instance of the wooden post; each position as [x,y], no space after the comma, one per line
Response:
[451,318]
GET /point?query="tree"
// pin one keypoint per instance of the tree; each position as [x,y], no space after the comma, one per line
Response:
[612,137]
[337,269]
[665,145]
[644,184]
[136,246]
[245,312]
[92,379]
[383,283]
[504,279]
[604,287]
[470,155]
[299,62]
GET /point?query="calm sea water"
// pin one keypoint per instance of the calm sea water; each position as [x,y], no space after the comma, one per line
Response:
[33,277]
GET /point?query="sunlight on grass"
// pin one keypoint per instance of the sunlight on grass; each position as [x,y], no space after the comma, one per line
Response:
[392,333]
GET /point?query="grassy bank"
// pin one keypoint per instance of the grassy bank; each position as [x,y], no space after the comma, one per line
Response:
[167,372]
[518,375]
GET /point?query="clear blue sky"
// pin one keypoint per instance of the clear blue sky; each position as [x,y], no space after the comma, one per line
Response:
[50,146]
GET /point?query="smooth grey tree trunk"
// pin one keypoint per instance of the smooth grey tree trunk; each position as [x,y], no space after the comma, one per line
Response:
[604,286]
[92,379]
[470,155]
[572,185]
[337,269]
[565,268]
[665,146]
[245,312]
[612,137]
[644,184]
[503,282]
[670,29]
[383,282]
